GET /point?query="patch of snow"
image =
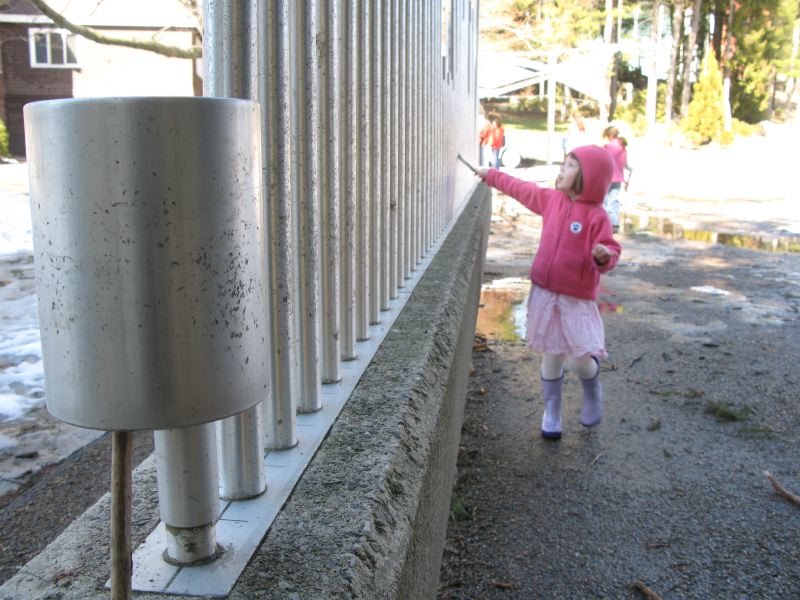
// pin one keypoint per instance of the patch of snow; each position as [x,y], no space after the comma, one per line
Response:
[16,231]
[710,289]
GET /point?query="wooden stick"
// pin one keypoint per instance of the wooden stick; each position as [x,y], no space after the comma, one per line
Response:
[469,166]
[782,490]
[649,594]
[121,490]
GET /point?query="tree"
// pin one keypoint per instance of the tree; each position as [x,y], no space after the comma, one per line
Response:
[678,8]
[100,38]
[547,25]
[652,77]
[705,119]
[762,31]
[688,56]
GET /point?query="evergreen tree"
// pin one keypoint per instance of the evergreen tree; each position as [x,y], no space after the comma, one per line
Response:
[763,34]
[705,117]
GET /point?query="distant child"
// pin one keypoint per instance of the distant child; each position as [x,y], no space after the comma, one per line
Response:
[576,247]
[576,133]
[617,147]
[498,140]
[485,137]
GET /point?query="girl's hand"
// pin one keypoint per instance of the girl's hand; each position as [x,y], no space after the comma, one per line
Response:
[601,254]
[482,172]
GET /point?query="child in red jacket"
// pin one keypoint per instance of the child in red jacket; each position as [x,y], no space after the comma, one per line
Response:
[577,245]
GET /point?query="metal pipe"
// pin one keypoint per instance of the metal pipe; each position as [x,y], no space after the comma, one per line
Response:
[423,129]
[187,495]
[414,163]
[407,128]
[387,140]
[230,42]
[329,47]
[377,163]
[305,182]
[433,67]
[402,135]
[350,175]
[275,93]
[240,455]
[408,172]
[364,145]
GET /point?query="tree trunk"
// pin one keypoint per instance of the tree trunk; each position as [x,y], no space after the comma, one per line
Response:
[726,67]
[688,57]
[609,26]
[677,34]
[652,78]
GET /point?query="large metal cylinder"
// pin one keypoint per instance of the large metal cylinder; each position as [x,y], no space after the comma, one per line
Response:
[149,254]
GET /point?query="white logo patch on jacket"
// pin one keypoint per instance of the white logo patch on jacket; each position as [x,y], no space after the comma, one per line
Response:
[575,227]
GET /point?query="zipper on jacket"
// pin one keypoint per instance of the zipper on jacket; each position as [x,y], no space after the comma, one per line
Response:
[558,243]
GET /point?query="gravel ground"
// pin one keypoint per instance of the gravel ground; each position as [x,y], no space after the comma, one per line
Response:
[42,508]
[669,491]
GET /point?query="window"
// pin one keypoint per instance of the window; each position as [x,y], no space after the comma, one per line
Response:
[52,48]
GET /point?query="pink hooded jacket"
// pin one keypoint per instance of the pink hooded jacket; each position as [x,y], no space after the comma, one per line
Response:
[570,228]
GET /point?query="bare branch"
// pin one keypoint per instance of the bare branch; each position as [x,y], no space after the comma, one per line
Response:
[96,36]
[782,491]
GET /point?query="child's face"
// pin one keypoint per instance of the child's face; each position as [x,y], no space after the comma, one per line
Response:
[565,181]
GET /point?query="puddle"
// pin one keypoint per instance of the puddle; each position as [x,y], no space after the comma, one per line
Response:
[669,229]
[503,308]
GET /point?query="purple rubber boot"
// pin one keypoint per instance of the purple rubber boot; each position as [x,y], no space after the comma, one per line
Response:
[551,418]
[592,412]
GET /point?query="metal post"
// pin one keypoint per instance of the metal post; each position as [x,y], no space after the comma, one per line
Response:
[364,262]
[329,46]
[230,42]
[435,75]
[407,127]
[377,163]
[351,174]
[388,141]
[427,134]
[414,163]
[187,495]
[393,93]
[278,143]
[402,136]
[306,179]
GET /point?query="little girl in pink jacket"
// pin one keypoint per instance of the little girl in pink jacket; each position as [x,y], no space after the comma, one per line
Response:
[577,246]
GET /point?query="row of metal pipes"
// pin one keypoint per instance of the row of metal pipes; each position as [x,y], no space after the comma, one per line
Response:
[365,104]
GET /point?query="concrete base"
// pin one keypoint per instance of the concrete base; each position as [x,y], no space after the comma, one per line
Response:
[368,517]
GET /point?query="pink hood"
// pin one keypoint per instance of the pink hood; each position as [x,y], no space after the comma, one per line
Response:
[597,167]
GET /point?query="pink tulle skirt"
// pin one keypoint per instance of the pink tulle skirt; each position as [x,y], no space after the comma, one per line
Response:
[559,324]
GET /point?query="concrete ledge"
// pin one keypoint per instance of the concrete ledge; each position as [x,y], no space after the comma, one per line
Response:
[368,517]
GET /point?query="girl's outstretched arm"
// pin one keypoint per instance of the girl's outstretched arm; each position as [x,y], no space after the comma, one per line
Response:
[526,193]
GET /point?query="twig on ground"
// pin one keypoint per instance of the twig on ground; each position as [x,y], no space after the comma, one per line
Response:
[503,585]
[637,359]
[782,491]
[596,458]
[648,593]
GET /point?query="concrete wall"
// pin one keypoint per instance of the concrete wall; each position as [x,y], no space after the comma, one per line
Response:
[368,517]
